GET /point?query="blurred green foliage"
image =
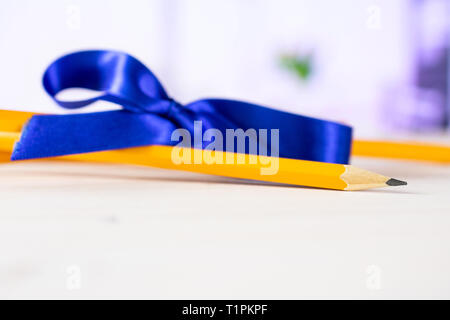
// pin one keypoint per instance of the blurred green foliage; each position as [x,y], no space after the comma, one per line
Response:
[300,65]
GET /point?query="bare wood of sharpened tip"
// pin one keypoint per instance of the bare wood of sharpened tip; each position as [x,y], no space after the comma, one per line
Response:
[359,179]
[292,172]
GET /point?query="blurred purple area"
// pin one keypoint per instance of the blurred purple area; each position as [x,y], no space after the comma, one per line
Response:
[424,103]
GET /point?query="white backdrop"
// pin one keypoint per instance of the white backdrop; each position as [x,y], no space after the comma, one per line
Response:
[230,49]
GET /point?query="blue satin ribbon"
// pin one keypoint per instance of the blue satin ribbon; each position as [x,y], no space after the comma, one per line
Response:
[149,115]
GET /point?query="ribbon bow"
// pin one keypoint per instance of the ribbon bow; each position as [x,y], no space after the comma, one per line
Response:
[149,115]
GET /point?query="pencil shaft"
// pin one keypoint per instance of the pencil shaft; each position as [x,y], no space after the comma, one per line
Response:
[244,166]
[402,150]
[253,167]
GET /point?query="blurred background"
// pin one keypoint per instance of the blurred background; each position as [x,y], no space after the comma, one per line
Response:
[380,65]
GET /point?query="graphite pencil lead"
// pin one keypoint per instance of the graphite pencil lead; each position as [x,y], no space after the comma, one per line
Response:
[394,182]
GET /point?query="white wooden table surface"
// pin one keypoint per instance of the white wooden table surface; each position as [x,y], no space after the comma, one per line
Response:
[70,230]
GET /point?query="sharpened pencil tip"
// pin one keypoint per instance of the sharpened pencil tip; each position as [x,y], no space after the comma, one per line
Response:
[395,182]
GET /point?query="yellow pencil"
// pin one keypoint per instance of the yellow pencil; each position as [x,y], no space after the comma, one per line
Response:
[402,150]
[293,172]
[290,171]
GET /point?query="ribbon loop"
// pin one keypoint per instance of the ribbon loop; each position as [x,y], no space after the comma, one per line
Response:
[119,77]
